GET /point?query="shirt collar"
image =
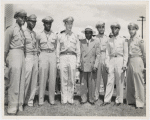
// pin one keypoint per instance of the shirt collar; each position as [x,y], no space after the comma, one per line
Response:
[68,33]
[47,32]
[29,30]
[16,25]
[100,36]
[133,37]
[88,40]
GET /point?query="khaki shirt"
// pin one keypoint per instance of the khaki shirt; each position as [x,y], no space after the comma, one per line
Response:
[103,42]
[136,47]
[47,40]
[117,46]
[70,43]
[30,40]
[14,38]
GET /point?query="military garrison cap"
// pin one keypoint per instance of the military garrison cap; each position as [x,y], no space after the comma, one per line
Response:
[100,23]
[117,25]
[47,19]
[20,13]
[68,19]
[133,25]
[32,17]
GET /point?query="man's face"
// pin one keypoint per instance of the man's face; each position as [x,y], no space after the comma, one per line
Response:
[47,26]
[69,25]
[115,30]
[101,29]
[132,31]
[31,24]
[21,20]
[88,34]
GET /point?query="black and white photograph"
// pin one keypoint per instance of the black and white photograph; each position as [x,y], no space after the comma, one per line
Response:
[75,59]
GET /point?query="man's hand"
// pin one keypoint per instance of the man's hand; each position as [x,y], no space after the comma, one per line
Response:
[144,70]
[80,69]
[94,69]
[107,69]
[123,69]
[77,65]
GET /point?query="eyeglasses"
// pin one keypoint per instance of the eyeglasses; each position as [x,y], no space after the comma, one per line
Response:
[23,17]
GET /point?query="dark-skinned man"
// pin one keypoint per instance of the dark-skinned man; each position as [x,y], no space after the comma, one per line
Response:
[14,52]
[31,60]
[136,67]
[101,73]
[90,52]
[68,59]
[47,41]
[116,63]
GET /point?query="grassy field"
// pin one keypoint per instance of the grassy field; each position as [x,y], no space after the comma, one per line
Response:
[80,110]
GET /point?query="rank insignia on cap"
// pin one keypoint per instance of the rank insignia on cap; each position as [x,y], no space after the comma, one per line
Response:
[142,41]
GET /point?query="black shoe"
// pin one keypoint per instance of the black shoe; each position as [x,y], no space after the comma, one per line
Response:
[105,103]
[117,104]
[92,103]
[82,103]
[12,114]
[53,104]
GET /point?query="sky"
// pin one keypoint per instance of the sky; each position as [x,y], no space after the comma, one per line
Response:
[86,15]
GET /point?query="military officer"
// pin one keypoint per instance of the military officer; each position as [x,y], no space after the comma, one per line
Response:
[101,73]
[68,59]
[137,63]
[14,59]
[90,52]
[116,61]
[31,60]
[47,61]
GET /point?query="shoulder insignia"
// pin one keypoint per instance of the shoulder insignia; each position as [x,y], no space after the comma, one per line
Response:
[142,41]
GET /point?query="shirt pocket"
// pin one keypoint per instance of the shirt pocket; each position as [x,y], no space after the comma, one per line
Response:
[18,40]
[73,43]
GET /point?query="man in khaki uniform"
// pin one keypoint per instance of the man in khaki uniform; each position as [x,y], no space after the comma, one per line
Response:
[101,73]
[68,59]
[90,52]
[14,59]
[31,60]
[116,61]
[47,61]
[136,67]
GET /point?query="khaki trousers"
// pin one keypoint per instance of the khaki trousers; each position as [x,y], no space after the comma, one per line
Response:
[67,76]
[115,73]
[135,82]
[102,76]
[16,63]
[31,77]
[47,72]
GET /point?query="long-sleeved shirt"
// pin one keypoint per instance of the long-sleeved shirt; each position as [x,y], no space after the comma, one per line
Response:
[31,43]
[117,46]
[47,40]
[68,43]
[136,48]
[14,38]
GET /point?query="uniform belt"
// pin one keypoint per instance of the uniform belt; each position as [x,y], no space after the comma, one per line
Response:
[103,50]
[67,53]
[132,56]
[31,53]
[115,55]
[47,50]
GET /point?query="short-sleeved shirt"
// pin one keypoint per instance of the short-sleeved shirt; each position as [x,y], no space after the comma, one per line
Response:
[47,40]
[136,47]
[30,40]
[68,43]
[14,38]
